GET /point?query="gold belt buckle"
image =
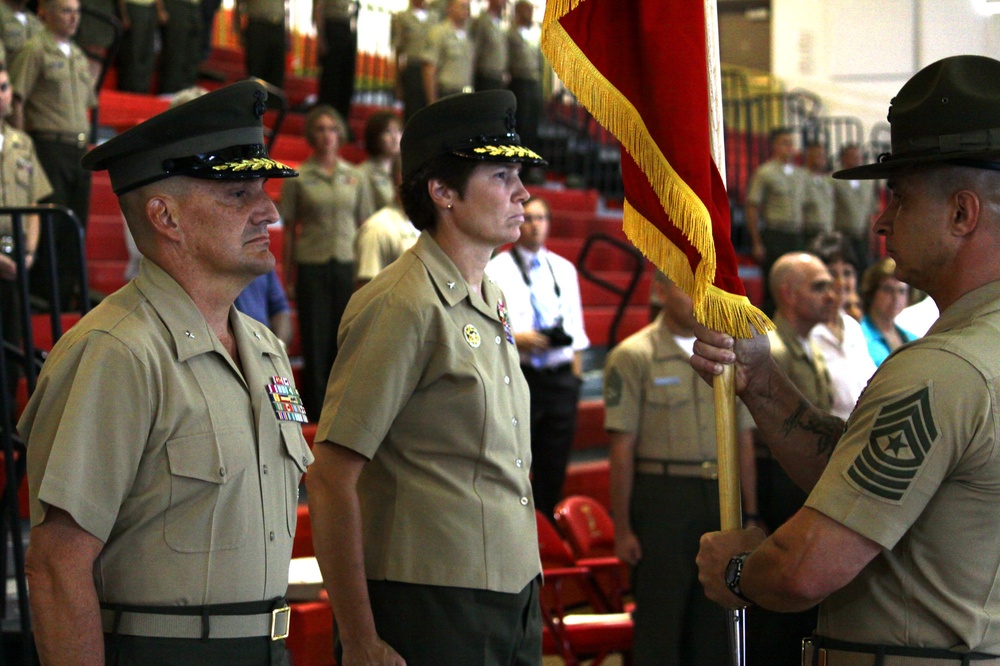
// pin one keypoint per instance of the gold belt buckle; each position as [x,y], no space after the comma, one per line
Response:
[286,614]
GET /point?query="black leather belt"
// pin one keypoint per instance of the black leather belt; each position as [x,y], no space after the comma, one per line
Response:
[78,140]
[821,651]
[240,620]
[707,470]
[552,370]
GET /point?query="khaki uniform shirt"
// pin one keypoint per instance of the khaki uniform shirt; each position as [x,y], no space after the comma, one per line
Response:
[381,240]
[57,90]
[490,44]
[806,370]
[778,190]
[453,54]
[380,184]
[426,385]
[14,33]
[337,9]
[524,56]
[268,11]
[144,431]
[328,208]
[918,472]
[651,391]
[22,179]
[817,214]
[409,32]
[854,206]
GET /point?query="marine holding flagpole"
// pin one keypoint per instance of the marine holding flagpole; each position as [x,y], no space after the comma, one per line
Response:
[896,541]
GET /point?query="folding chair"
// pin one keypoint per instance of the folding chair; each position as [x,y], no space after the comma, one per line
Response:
[576,636]
[591,534]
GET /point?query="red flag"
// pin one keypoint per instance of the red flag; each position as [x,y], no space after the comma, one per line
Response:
[640,68]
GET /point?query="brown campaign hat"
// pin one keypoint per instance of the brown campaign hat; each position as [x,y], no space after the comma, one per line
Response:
[478,126]
[947,112]
[218,136]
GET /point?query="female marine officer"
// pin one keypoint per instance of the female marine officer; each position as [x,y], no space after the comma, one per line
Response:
[421,505]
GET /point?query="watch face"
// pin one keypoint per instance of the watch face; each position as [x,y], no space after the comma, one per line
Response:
[733,572]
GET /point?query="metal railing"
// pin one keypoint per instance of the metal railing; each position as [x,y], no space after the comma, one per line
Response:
[25,360]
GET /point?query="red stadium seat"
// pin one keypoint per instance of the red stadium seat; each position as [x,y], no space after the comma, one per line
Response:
[576,636]
[590,532]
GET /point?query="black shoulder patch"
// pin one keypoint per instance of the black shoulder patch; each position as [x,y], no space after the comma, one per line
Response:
[613,388]
[898,443]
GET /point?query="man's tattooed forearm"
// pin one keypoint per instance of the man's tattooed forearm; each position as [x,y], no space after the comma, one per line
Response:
[828,428]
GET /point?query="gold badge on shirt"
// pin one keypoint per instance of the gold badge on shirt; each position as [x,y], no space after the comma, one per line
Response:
[286,401]
[472,336]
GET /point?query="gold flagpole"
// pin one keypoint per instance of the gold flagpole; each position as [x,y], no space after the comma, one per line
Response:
[731,516]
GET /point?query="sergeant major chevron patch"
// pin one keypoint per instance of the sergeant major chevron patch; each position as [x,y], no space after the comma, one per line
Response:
[898,443]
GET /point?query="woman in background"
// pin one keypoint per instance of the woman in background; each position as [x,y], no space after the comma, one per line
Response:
[382,133]
[883,297]
[321,210]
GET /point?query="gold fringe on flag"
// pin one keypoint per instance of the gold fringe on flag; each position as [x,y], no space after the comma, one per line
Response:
[712,306]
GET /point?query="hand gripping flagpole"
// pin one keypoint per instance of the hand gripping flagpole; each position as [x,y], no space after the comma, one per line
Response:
[731,517]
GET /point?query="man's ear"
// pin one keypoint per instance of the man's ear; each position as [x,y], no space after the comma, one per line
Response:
[966,206]
[161,212]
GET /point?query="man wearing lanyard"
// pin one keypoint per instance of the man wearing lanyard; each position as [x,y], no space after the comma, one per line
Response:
[543,296]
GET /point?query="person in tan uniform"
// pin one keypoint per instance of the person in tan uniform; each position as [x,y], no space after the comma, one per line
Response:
[895,542]
[524,62]
[322,211]
[774,203]
[660,418]
[490,41]
[22,183]
[164,439]
[52,79]
[817,211]
[136,61]
[181,52]
[18,24]
[420,499]
[803,290]
[337,45]
[382,132]
[449,55]
[408,30]
[262,26]
[854,204]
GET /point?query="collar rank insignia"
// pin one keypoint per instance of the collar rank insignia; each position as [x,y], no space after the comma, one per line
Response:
[899,442]
[505,320]
[286,401]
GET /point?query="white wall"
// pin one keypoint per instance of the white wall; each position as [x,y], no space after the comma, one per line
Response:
[856,54]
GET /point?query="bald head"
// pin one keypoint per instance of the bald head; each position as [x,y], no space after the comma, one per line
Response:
[802,287]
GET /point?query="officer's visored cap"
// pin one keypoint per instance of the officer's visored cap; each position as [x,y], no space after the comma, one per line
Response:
[948,112]
[478,126]
[217,136]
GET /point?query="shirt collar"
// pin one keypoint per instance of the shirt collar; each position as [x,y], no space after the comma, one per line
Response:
[186,325]
[449,281]
[977,302]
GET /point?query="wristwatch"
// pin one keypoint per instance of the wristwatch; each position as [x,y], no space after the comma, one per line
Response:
[734,570]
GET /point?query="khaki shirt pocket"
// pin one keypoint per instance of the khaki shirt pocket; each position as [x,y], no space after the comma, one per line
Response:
[668,417]
[56,68]
[297,458]
[211,496]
